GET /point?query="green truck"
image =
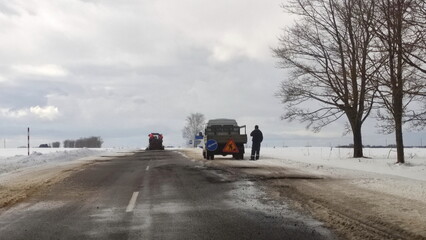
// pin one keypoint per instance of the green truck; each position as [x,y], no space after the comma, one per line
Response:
[223,137]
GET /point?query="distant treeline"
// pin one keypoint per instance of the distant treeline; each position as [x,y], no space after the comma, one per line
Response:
[89,142]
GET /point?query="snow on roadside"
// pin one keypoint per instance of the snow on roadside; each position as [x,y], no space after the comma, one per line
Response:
[377,172]
[14,159]
[378,160]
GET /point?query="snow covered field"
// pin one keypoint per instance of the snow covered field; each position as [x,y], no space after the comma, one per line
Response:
[377,172]
[378,160]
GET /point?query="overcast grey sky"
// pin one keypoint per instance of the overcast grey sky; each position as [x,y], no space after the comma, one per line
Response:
[122,69]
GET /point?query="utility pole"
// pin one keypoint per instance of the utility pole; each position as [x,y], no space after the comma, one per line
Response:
[28,141]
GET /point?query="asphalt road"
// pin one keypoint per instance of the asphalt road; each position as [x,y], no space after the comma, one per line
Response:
[155,195]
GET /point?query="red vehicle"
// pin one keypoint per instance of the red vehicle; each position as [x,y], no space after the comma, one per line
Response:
[155,141]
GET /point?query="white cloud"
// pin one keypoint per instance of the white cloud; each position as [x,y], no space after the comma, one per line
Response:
[48,112]
[49,70]
[9,113]
[230,47]
[2,79]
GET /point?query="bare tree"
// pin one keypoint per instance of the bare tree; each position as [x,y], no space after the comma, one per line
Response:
[195,123]
[69,143]
[400,29]
[88,142]
[56,144]
[329,51]
[416,56]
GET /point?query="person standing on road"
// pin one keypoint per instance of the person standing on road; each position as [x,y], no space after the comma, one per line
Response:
[257,138]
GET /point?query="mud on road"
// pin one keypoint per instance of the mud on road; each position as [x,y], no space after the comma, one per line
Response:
[350,211]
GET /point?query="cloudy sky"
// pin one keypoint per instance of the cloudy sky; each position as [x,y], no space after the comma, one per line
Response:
[122,69]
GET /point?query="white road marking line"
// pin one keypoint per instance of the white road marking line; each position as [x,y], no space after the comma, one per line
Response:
[132,202]
[147,168]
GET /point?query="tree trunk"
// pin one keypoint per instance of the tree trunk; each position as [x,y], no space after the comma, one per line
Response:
[399,86]
[358,151]
[399,141]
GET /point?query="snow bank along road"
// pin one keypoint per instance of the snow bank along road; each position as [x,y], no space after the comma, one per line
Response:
[21,175]
[357,198]
[150,195]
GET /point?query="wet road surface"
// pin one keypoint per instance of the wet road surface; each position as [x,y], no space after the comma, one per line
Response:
[155,195]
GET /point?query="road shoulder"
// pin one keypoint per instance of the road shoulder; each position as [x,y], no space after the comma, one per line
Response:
[18,185]
[348,204]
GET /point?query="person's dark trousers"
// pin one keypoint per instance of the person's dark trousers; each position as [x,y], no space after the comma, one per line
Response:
[255,149]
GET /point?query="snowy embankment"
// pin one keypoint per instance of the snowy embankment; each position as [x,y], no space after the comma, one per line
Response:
[377,171]
[377,160]
[21,174]
[14,159]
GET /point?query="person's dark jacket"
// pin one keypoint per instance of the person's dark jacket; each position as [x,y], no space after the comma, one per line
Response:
[257,136]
